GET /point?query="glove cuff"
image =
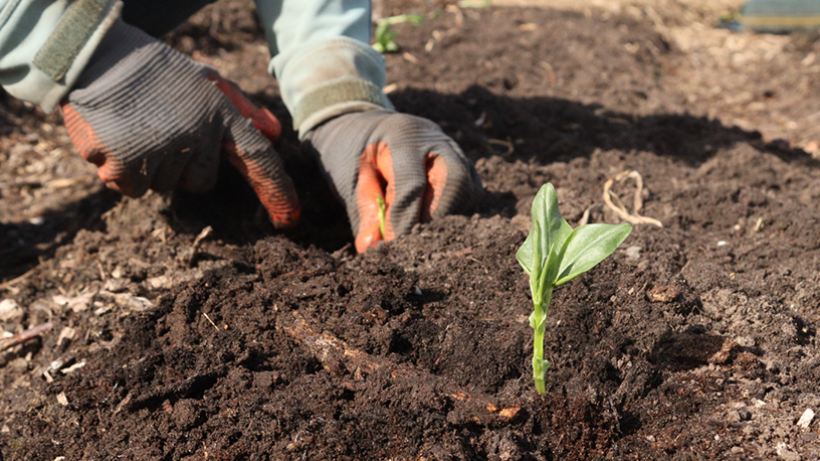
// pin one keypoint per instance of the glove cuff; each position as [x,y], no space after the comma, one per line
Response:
[323,80]
[64,40]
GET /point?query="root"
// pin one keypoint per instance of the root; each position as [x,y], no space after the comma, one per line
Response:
[619,208]
[503,143]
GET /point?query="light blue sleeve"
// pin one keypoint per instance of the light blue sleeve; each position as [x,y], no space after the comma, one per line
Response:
[322,58]
[45,44]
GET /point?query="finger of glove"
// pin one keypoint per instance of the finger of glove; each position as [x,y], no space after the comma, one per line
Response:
[263,120]
[110,170]
[452,186]
[253,156]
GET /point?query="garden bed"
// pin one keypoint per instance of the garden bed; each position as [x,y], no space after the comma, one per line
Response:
[694,341]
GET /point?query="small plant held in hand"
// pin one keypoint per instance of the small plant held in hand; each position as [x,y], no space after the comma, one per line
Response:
[555,253]
[382,214]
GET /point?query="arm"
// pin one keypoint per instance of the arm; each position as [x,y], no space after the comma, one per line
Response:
[322,58]
[44,45]
[147,116]
[331,80]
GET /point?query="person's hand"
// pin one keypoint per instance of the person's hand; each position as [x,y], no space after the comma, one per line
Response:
[404,161]
[151,118]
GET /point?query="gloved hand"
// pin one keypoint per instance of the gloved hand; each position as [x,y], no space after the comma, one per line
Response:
[149,117]
[406,161]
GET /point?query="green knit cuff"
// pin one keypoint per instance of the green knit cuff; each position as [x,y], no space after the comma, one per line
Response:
[346,90]
[65,43]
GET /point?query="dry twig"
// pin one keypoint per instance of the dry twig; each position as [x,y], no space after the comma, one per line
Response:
[334,354]
[14,281]
[197,242]
[25,336]
[212,322]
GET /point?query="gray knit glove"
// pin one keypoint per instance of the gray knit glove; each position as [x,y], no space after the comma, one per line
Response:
[149,117]
[405,162]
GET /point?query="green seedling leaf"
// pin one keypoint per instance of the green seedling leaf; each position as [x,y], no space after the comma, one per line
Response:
[384,38]
[589,245]
[385,35]
[474,3]
[414,19]
[552,255]
[555,228]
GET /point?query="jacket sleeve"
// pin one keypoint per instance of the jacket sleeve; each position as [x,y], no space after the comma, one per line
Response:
[322,58]
[45,44]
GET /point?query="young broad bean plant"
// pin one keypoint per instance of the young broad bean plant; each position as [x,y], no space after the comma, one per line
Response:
[555,253]
[385,35]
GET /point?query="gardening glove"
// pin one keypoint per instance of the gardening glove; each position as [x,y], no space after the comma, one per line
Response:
[150,118]
[407,162]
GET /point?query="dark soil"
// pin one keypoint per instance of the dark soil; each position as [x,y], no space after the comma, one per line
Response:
[697,343]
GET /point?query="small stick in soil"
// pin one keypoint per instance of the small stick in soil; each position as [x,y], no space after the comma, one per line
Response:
[14,281]
[212,322]
[25,336]
[197,242]
[620,209]
[338,254]
[334,354]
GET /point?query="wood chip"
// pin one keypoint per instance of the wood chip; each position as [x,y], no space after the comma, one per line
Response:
[67,333]
[662,293]
[806,419]
[9,309]
[63,183]
[509,412]
[124,402]
[410,58]
[61,397]
[72,368]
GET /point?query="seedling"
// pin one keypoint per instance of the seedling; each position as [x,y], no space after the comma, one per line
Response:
[382,213]
[555,253]
[385,34]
